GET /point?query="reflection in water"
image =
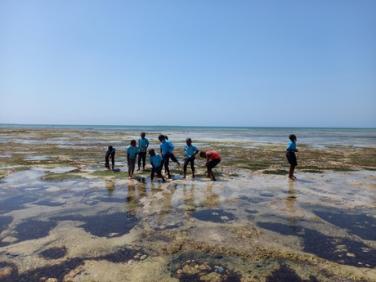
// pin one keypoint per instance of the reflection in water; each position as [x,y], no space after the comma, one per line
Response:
[290,200]
[131,198]
[211,199]
[110,186]
[189,197]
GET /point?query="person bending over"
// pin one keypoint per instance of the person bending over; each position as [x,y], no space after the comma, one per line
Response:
[156,165]
[110,155]
[213,158]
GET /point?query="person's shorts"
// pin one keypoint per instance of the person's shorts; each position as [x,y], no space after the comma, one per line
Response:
[291,158]
[211,164]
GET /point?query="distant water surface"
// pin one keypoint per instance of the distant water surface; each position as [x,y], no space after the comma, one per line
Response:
[359,137]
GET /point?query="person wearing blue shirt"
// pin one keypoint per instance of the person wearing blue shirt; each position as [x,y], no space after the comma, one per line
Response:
[156,165]
[143,144]
[132,153]
[190,152]
[291,156]
[167,151]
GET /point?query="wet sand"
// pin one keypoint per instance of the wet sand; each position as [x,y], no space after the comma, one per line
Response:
[63,217]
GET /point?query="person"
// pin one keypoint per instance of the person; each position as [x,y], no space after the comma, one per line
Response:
[212,159]
[143,144]
[156,165]
[167,151]
[132,153]
[110,154]
[190,152]
[291,156]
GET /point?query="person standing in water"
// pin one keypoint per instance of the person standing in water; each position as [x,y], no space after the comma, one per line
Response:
[132,153]
[167,149]
[143,144]
[190,152]
[291,156]
[110,154]
[212,159]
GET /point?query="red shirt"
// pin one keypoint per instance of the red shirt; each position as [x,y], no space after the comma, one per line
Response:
[213,155]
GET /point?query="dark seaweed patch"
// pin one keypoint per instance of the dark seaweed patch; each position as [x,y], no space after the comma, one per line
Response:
[354,253]
[15,203]
[57,271]
[105,225]
[360,224]
[280,228]
[12,273]
[266,194]
[251,211]
[33,229]
[213,215]
[122,255]
[201,269]
[4,222]
[286,274]
[54,253]
[336,249]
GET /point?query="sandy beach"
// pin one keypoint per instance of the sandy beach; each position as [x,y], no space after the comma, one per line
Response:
[63,217]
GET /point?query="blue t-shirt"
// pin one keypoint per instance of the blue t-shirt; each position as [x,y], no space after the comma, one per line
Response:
[291,146]
[189,151]
[156,161]
[143,144]
[132,152]
[166,147]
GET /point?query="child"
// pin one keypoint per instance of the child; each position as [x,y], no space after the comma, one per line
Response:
[143,144]
[291,156]
[110,154]
[190,153]
[212,159]
[156,165]
[132,153]
[167,149]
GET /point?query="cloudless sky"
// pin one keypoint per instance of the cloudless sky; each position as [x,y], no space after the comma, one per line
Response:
[189,62]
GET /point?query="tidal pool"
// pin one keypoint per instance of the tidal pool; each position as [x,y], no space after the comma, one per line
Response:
[65,218]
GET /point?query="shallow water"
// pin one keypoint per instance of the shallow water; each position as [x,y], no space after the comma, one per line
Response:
[76,222]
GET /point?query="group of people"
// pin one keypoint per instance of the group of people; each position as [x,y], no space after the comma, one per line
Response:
[137,151]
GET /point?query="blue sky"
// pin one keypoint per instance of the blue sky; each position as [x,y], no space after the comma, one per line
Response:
[197,62]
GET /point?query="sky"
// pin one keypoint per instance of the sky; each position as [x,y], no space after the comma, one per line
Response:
[189,62]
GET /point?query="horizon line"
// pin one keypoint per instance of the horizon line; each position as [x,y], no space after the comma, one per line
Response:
[186,126]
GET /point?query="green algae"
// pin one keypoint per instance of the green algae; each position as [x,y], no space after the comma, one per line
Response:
[61,176]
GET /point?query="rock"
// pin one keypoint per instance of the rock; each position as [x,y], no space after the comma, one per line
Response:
[219,269]
[211,277]
[51,280]
[5,272]
[143,257]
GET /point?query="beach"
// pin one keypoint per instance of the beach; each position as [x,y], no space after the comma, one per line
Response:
[64,217]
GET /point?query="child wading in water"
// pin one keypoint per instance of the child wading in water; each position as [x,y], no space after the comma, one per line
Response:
[190,153]
[143,144]
[110,154]
[291,156]
[156,164]
[167,151]
[212,159]
[132,153]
